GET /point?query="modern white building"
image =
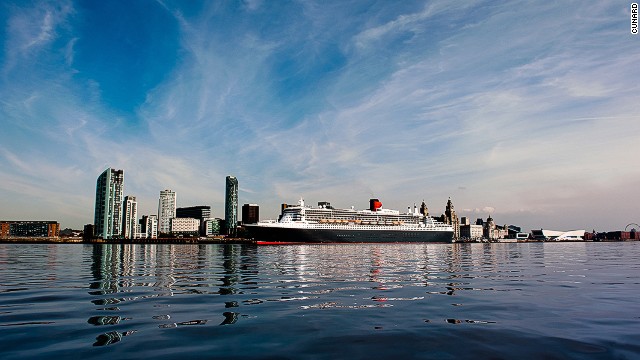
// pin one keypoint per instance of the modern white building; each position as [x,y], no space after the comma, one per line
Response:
[554,235]
[185,226]
[107,219]
[166,210]
[130,218]
[149,227]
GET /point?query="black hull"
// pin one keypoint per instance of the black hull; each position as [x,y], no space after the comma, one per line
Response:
[275,234]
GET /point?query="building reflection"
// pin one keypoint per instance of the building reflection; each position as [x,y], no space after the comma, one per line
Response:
[232,278]
[127,273]
[229,264]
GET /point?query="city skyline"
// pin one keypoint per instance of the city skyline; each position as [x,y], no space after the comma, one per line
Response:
[525,113]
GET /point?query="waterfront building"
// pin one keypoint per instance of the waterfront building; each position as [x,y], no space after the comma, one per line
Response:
[211,226]
[616,235]
[29,229]
[108,206]
[185,226]
[130,217]
[554,235]
[471,232]
[424,210]
[493,232]
[513,229]
[451,218]
[231,205]
[88,232]
[5,229]
[149,226]
[166,210]
[515,232]
[196,212]
[250,213]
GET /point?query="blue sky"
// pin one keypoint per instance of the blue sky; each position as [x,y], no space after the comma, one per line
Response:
[527,111]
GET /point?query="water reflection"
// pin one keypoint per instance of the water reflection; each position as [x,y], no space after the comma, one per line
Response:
[154,300]
[123,276]
[165,287]
[111,337]
[104,320]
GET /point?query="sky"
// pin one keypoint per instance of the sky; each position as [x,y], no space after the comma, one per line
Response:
[525,111]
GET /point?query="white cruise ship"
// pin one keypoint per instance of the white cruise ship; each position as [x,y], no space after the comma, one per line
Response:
[307,224]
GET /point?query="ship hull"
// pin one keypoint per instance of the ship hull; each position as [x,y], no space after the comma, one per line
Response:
[306,235]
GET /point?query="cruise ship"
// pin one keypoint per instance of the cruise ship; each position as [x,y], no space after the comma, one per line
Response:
[324,224]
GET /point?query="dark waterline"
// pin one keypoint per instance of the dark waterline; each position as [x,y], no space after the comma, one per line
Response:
[389,301]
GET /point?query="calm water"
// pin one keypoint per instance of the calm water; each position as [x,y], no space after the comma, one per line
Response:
[389,301]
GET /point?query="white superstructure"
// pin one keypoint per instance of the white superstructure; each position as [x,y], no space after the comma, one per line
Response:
[326,217]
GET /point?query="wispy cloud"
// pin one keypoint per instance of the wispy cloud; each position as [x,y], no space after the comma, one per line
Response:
[30,30]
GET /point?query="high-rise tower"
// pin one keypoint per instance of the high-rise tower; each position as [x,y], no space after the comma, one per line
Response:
[231,205]
[108,208]
[130,217]
[166,210]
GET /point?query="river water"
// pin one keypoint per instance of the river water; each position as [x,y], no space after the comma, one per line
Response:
[357,301]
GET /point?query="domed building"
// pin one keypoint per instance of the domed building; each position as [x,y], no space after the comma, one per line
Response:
[493,232]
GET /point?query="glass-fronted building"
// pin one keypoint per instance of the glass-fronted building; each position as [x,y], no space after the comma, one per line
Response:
[108,208]
[231,205]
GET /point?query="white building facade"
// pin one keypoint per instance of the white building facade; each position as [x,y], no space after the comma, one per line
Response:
[185,226]
[149,227]
[166,210]
[130,218]
[554,235]
[471,232]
